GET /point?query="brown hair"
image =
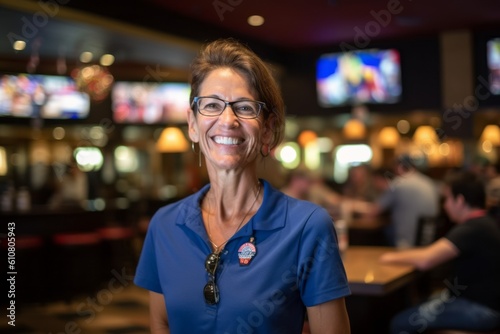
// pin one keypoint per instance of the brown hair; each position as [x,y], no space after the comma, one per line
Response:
[232,54]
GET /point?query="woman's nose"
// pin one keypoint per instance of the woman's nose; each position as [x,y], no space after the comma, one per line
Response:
[228,115]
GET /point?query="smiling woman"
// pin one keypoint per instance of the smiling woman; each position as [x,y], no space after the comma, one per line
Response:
[227,258]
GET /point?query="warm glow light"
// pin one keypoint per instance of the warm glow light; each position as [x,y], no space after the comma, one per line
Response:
[19,45]
[88,158]
[354,129]
[306,137]
[325,144]
[58,133]
[311,155]
[126,159]
[491,133]
[425,134]
[388,137]
[3,161]
[94,80]
[444,149]
[487,146]
[348,155]
[255,20]
[172,140]
[403,126]
[289,155]
[86,57]
[107,60]
[40,152]
[369,277]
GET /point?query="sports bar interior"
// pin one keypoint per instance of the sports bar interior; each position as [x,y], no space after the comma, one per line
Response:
[87,161]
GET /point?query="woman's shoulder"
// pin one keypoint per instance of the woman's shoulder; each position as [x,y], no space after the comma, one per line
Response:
[178,209]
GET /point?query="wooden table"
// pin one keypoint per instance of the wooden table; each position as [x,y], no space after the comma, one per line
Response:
[367,276]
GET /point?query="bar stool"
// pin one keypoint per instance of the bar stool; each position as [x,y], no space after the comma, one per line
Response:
[76,262]
[118,250]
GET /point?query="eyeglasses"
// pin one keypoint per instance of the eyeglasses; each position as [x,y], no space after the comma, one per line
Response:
[213,106]
[211,291]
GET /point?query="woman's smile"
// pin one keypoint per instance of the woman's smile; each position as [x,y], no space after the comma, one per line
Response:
[227,140]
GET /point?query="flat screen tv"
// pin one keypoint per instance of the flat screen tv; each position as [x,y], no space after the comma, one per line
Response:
[150,103]
[371,76]
[42,96]
[493,60]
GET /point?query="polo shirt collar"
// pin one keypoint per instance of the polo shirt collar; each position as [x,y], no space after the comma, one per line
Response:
[271,214]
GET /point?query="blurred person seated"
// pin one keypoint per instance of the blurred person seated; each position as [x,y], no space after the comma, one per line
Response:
[71,189]
[304,184]
[409,197]
[493,198]
[491,171]
[297,184]
[381,179]
[471,299]
[359,184]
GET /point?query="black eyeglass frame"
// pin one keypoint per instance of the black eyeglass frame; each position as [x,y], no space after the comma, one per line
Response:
[196,100]
[211,291]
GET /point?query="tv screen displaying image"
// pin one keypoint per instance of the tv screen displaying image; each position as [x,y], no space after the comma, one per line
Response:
[44,96]
[150,103]
[359,77]
[493,55]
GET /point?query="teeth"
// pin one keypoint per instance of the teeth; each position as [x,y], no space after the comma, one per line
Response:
[226,140]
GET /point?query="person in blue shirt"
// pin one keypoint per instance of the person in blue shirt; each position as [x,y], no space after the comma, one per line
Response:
[239,256]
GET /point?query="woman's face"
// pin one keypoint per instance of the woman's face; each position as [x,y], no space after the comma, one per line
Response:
[228,143]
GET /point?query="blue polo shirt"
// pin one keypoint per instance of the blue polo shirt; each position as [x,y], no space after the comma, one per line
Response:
[297,264]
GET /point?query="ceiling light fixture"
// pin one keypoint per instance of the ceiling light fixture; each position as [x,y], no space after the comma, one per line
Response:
[172,140]
[94,80]
[19,45]
[255,20]
[86,57]
[107,59]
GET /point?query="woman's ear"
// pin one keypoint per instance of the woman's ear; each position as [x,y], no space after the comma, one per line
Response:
[193,126]
[268,133]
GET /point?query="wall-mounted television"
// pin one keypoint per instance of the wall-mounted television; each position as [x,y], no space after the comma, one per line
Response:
[493,60]
[150,103]
[371,76]
[486,52]
[43,96]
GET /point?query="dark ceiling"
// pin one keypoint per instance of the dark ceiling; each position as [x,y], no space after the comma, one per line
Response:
[165,34]
[302,23]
